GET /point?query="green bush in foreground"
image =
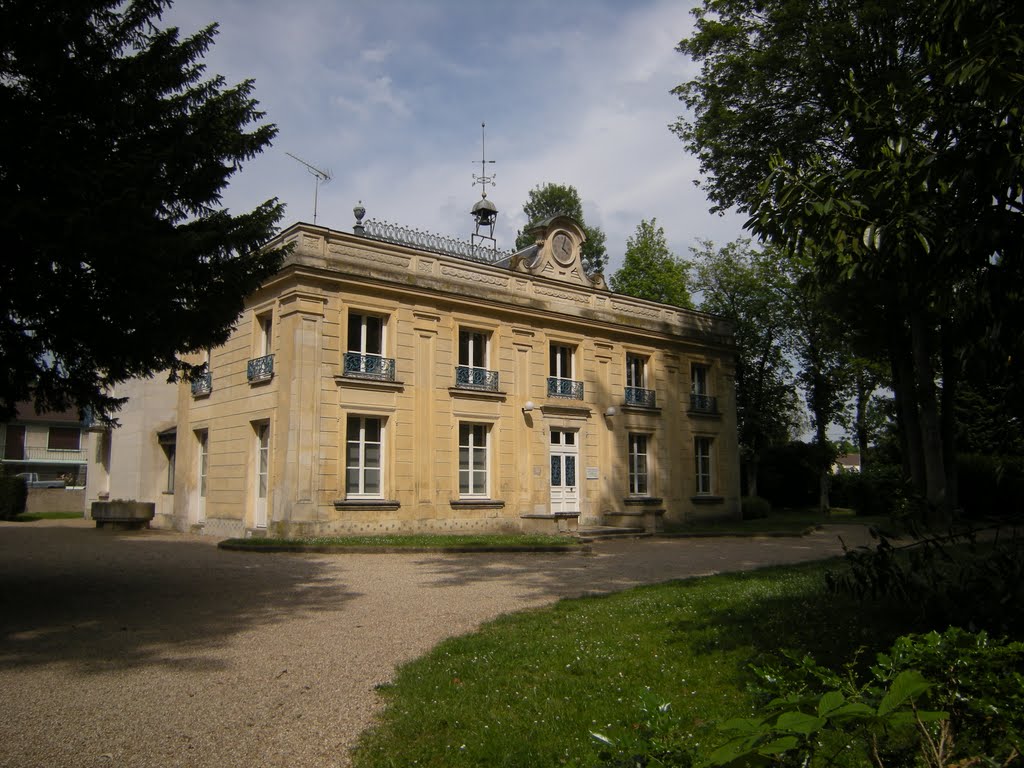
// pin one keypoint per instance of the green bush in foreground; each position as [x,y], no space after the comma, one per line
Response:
[754,507]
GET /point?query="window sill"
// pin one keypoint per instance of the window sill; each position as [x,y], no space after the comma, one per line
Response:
[654,410]
[255,382]
[642,501]
[550,516]
[477,504]
[372,505]
[705,414]
[477,393]
[365,382]
[558,409]
[707,498]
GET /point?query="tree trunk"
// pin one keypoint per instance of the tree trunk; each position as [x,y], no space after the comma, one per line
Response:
[824,467]
[752,467]
[937,513]
[865,389]
[950,386]
[905,395]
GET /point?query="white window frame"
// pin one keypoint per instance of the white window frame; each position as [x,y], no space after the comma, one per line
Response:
[471,347]
[203,457]
[560,356]
[638,449]
[264,333]
[636,371]
[702,455]
[363,336]
[171,454]
[699,375]
[474,439]
[361,465]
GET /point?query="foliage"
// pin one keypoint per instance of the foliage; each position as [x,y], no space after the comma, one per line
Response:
[563,200]
[950,579]
[118,150]
[991,486]
[878,489]
[954,696]
[650,270]
[754,507]
[789,475]
[746,287]
[13,496]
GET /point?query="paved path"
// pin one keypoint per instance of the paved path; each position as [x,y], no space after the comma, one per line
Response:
[157,649]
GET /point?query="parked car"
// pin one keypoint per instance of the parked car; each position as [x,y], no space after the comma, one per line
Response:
[32,481]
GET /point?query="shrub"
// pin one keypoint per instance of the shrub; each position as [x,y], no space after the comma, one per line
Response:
[878,490]
[13,496]
[754,507]
[788,475]
[990,486]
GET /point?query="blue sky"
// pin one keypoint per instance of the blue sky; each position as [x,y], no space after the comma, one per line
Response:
[389,96]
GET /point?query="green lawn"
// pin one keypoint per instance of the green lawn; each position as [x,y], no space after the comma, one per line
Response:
[530,688]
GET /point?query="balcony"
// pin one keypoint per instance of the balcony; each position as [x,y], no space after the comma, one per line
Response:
[468,377]
[703,403]
[202,385]
[567,388]
[42,455]
[362,366]
[640,397]
[260,369]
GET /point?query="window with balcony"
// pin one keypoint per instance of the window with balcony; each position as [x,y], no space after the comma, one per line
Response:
[261,365]
[560,373]
[637,392]
[472,371]
[365,355]
[702,460]
[637,459]
[473,460]
[701,400]
[364,444]
[202,383]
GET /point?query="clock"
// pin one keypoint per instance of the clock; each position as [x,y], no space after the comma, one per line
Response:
[561,247]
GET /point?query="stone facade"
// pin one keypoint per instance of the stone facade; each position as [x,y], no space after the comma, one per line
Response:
[375,387]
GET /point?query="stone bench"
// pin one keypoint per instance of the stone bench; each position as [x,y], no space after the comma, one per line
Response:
[122,515]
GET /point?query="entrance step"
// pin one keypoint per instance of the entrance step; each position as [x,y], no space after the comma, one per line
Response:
[595,532]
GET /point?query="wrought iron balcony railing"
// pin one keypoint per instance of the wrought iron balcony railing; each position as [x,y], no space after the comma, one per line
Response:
[645,398]
[565,388]
[369,366]
[54,455]
[704,403]
[260,368]
[469,377]
[202,385]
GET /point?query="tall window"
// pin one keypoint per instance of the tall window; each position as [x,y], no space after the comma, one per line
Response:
[169,447]
[561,361]
[638,465]
[472,460]
[64,439]
[472,348]
[202,437]
[363,472]
[265,334]
[14,442]
[365,334]
[702,458]
[698,379]
[635,370]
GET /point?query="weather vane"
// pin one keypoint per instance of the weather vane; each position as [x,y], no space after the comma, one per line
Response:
[483,180]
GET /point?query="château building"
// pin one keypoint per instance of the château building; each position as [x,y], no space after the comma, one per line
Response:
[391,381]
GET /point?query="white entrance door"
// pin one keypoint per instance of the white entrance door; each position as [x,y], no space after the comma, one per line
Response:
[565,494]
[262,473]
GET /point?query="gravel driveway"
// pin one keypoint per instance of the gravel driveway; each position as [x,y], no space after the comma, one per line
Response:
[157,649]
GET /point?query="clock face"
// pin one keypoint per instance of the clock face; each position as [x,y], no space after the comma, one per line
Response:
[561,245]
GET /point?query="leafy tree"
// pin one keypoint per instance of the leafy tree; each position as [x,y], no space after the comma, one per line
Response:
[117,149]
[650,270]
[745,287]
[884,139]
[561,199]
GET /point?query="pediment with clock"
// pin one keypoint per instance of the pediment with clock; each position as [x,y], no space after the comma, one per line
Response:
[557,253]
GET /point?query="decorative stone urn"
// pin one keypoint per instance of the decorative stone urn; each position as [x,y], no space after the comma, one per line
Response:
[122,514]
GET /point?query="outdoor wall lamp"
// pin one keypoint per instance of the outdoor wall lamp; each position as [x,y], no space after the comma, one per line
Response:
[528,407]
[610,411]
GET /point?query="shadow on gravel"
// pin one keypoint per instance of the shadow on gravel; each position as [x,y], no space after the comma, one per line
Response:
[112,600]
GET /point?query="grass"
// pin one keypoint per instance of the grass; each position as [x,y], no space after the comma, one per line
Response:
[28,517]
[530,688]
[791,521]
[441,542]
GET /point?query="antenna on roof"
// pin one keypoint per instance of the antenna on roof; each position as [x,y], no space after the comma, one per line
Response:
[484,212]
[321,176]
